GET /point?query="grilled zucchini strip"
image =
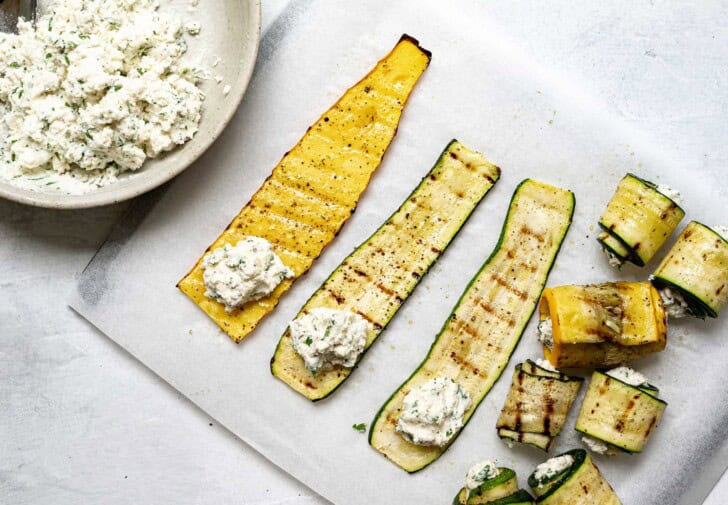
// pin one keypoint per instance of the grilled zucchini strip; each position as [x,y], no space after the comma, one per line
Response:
[500,486]
[580,484]
[601,325]
[375,279]
[697,268]
[315,187]
[640,218]
[619,414]
[537,405]
[475,343]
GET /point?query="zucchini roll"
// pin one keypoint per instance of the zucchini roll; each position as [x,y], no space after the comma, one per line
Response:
[485,483]
[601,325]
[537,404]
[693,277]
[638,220]
[620,410]
[571,479]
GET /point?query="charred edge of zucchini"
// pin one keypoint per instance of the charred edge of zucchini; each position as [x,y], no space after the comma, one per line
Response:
[410,38]
[579,456]
[493,254]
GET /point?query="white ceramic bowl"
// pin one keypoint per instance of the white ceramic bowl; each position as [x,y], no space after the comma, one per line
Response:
[230,31]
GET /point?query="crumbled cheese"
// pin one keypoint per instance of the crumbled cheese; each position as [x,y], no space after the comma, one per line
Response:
[546,332]
[670,193]
[549,469]
[479,473]
[226,90]
[91,90]
[596,445]
[546,365]
[216,61]
[193,28]
[628,376]
[325,338]
[675,304]
[721,230]
[218,78]
[235,275]
[433,412]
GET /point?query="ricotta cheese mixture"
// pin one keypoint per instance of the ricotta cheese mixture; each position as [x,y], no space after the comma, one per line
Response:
[614,260]
[673,195]
[546,332]
[675,304]
[628,376]
[479,473]
[721,230]
[433,412]
[546,364]
[597,446]
[551,468]
[235,275]
[326,338]
[92,90]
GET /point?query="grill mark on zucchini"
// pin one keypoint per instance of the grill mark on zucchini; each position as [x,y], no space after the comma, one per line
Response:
[554,208]
[503,283]
[379,275]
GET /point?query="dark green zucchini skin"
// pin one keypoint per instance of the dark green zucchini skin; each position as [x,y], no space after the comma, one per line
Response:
[579,456]
[520,497]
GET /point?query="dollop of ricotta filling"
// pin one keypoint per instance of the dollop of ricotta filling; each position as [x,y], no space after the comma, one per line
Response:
[432,413]
[326,338]
[479,473]
[628,376]
[673,195]
[596,445]
[546,364]
[675,304]
[721,230]
[92,89]
[546,333]
[250,270]
[551,468]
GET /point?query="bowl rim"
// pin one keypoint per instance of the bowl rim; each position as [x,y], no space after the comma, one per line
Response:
[101,198]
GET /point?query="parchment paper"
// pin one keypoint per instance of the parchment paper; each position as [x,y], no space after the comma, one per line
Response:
[494,99]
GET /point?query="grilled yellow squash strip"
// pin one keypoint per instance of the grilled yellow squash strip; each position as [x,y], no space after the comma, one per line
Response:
[380,274]
[315,187]
[603,324]
[477,340]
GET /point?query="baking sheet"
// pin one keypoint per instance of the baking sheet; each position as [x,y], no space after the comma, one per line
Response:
[493,98]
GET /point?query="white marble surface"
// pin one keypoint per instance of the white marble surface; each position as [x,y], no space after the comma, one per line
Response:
[82,422]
